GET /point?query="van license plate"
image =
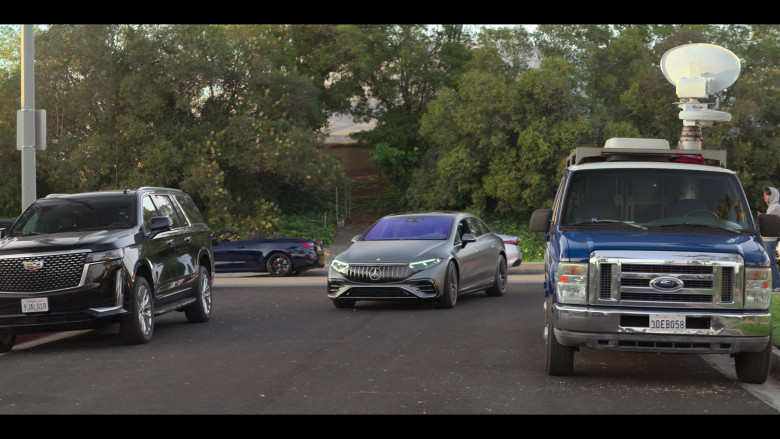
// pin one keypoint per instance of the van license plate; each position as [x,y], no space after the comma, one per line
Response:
[40,304]
[667,322]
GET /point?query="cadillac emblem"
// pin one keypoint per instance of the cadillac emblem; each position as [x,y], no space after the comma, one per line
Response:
[32,265]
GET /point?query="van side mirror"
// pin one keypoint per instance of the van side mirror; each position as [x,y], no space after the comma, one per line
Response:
[769,225]
[540,220]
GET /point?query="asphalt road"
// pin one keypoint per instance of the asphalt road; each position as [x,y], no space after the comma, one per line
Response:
[278,346]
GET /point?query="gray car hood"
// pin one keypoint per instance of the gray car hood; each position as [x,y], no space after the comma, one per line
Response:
[403,251]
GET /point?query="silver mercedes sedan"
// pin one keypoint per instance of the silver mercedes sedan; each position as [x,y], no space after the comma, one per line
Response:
[422,256]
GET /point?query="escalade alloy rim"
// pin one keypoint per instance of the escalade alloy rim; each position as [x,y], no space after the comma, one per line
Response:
[205,295]
[144,304]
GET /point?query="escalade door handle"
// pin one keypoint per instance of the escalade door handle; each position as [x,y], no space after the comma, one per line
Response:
[188,239]
[169,242]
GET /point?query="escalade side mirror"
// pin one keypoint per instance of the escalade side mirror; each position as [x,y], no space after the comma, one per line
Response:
[160,224]
[540,220]
[769,225]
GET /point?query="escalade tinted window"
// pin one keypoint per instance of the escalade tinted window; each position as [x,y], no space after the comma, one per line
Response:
[60,215]
[190,209]
[165,207]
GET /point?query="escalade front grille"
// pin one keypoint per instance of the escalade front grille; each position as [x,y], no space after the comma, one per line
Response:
[666,280]
[377,273]
[32,274]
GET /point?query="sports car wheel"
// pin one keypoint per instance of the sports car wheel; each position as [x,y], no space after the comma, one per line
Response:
[138,326]
[200,311]
[449,297]
[279,264]
[499,283]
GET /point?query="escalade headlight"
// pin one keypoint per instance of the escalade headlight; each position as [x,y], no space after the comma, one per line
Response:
[758,287]
[105,256]
[424,265]
[571,283]
[339,266]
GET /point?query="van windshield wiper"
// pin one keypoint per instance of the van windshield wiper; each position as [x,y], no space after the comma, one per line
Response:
[609,221]
[710,225]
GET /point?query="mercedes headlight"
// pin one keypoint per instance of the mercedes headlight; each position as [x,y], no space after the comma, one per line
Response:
[339,266]
[424,265]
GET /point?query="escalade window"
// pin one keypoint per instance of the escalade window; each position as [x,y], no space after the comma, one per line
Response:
[165,207]
[655,197]
[190,209]
[61,215]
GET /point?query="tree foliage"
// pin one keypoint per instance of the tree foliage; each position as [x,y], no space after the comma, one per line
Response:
[465,117]
[219,111]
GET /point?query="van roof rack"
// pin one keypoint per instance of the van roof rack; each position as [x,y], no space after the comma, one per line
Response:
[644,150]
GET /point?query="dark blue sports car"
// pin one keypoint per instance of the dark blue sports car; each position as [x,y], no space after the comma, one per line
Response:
[277,257]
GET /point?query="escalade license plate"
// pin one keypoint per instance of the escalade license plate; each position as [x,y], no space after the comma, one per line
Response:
[667,322]
[35,305]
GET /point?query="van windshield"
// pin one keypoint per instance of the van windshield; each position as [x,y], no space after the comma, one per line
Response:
[656,198]
[61,215]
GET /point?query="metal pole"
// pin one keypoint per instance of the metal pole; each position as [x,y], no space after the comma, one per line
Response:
[28,103]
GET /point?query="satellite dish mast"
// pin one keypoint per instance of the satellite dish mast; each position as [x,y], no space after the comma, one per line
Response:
[699,71]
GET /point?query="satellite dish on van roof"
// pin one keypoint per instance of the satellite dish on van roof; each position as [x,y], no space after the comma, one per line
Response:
[691,65]
[699,71]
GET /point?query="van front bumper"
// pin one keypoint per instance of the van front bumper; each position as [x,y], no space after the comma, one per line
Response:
[629,330]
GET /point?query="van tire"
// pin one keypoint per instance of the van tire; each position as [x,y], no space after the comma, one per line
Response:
[753,367]
[560,359]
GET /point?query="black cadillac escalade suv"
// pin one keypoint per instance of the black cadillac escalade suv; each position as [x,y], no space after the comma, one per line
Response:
[83,260]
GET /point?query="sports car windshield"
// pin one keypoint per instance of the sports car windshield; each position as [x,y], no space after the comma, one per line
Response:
[59,215]
[410,228]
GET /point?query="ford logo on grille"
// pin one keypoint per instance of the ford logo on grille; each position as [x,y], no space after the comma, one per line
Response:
[32,265]
[374,273]
[666,283]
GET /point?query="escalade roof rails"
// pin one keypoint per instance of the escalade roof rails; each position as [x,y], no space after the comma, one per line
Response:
[644,150]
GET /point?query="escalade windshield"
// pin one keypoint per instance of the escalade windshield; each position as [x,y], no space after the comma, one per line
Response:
[644,198]
[60,215]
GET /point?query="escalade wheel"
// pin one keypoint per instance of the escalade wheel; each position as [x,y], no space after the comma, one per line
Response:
[499,284]
[138,326]
[200,311]
[753,367]
[560,359]
[6,343]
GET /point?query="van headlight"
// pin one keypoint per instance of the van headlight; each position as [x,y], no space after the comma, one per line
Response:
[572,282]
[758,288]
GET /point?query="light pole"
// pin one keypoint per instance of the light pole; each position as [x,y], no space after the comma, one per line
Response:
[30,123]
